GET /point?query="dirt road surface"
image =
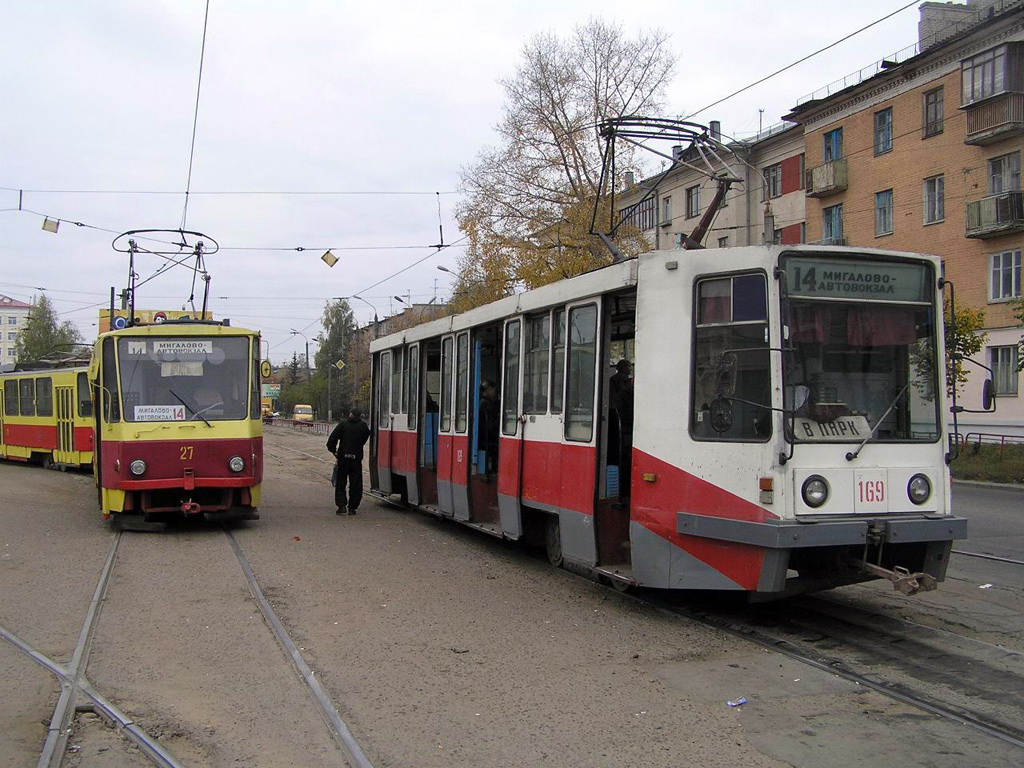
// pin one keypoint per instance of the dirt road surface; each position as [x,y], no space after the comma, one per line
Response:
[439,646]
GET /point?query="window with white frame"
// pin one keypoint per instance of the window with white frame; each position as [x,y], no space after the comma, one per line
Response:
[692,202]
[641,214]
[1005,272]
[1003,361]
[773,181]
[883,212]
[666,210]
[933,112]
[934,199]
[13,320]
[883,131]
[723,242]
[832,224]
[1004,174]
[984,75]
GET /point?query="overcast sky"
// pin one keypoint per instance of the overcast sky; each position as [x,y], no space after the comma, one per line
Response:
[378,105]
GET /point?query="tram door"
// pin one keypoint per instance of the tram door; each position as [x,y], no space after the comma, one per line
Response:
[382,433]
[65,425]
[3,407]
[430,424]
[615,448]
[486,424]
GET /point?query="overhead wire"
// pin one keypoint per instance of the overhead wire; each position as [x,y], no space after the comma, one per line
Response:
[195,114]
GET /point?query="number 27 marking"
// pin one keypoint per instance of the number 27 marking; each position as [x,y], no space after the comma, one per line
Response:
[186,453]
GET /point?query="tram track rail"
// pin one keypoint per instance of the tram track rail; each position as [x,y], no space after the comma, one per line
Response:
[78,694]
[801,640]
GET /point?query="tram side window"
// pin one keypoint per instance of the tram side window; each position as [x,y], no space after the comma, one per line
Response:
[510,400]
[84,396]
[44,396]
[384,399]
[446,384]
[412,388]
[558,361]
[535,364]
[27,392]
[11,397]
[396,380]
[579,405]
[462,383]
[111,403]
[255,389]
[732,382]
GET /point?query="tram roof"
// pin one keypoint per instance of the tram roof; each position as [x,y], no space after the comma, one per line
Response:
[182,328]
[609,278]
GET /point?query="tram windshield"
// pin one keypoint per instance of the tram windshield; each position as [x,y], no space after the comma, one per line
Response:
[184,378]
[860,362]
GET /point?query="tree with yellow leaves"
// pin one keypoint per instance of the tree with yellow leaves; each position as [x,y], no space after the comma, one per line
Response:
[530,201]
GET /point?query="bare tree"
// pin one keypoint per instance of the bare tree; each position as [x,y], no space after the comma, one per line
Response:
[529,201]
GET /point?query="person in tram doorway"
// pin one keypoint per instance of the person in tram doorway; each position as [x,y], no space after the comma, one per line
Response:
[490,419]
[346,443]
[621,400]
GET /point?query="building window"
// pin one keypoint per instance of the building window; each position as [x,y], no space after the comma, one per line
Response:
[1004,174]
[666,210]
[883,131]
[1003,361]
[832,225]
[833,145]
[678,240]
[984,75]
[933,112]
[723,242]
[12,336]
[883,212]
[773,181]
[692,202]
[12,320]
[1005,283]
[934,199]
[640,215]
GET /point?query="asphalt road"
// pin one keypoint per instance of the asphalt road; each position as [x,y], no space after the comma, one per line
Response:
[996,519]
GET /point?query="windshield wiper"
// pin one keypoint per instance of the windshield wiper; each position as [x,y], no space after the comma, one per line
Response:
[194,411]
[854,454]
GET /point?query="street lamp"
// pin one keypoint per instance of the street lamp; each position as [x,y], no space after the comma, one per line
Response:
[300,333]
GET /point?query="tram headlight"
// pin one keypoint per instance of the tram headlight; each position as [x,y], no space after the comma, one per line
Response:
[237,464]
[919,489]
[815,491]
[138,467]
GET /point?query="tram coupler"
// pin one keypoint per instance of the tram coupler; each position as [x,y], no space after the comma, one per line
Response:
[191,508]
[903,580]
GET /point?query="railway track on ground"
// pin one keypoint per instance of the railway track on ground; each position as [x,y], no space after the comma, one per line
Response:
[78,694]
[952,676]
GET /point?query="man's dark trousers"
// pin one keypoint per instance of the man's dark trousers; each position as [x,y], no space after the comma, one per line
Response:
[350,473]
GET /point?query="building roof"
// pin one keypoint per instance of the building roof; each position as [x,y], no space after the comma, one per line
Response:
[6,302]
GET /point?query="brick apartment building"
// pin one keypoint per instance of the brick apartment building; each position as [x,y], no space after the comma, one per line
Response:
[921,152]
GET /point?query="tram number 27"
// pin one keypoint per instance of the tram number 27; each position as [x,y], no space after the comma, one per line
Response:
[187,452]
[871,491]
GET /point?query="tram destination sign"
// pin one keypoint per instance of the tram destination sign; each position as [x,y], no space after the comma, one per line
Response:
[823,278]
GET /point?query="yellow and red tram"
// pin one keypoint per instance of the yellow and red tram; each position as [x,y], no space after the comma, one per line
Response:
[46,417]
[178,424]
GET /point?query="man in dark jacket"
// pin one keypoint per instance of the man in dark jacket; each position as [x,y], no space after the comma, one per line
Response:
[346,443]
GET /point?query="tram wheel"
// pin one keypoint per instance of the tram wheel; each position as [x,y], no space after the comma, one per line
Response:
[553,541]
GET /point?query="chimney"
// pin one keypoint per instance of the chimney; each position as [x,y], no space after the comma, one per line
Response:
[677,152]
[716,130]
[630,179]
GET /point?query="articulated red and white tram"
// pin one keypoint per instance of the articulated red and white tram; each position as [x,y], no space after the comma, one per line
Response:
[784,428]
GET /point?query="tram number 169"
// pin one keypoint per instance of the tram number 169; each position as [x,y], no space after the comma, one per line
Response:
[871,491]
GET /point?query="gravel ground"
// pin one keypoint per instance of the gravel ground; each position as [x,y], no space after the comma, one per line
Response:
[439,645]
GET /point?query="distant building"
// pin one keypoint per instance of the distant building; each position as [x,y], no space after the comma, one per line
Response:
[13,318]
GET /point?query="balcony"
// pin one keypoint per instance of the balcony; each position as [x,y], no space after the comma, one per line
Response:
[827,179]
[996,215]
[995,119]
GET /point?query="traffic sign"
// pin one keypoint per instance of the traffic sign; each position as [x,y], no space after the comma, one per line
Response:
[340,364]
[266,369]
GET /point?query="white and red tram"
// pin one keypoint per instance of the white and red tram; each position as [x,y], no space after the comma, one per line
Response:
[788,429]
